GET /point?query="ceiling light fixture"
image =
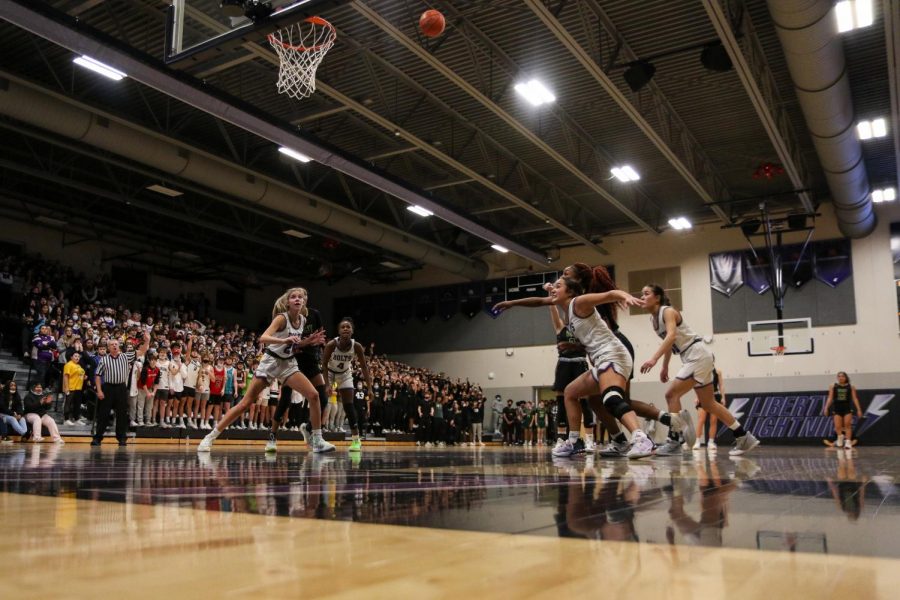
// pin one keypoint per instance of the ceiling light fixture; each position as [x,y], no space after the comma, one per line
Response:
[535,92]
[422,212]
[876,128]
[679,223]
[166,191]
[51,221]
[888,194]
[390,264]
[625,173]
[294,233]
[294,154]
[853,14]
[499,248]
[98,67]
[639,74]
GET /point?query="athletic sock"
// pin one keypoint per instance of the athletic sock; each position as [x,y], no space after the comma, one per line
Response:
[214,433]
[589,437]
[354,438]
[702,439]
[737,429]
[665,418]
[620,438]
[317,433]
[573,436]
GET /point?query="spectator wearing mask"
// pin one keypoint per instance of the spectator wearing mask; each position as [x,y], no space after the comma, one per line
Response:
[73,388]
[36,404]
[44,345]
[11,412]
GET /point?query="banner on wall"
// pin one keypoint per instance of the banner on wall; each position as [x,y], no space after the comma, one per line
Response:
[796,417]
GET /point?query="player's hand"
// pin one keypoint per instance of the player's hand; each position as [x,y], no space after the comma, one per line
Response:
[648,365]
[664,374]
[100,395]
[500,307]
[548,287]
[859,415]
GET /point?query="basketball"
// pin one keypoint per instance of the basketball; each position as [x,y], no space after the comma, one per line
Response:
[432,23]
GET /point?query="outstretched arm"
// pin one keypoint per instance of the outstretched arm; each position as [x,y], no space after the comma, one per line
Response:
[556,319]
[623,299]
[532,302]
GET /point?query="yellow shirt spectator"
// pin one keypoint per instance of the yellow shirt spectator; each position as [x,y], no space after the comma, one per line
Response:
[74,375]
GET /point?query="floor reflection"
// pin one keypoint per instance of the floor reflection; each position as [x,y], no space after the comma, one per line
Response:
[796,499]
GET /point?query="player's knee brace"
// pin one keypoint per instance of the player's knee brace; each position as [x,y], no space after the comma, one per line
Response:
[614,401]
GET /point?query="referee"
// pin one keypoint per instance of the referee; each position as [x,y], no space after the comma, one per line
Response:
[111,380]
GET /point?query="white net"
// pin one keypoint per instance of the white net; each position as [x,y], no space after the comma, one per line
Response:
[300,49]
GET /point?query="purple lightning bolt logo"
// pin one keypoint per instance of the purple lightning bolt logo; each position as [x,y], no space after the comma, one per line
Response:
[876,411]
[737,406]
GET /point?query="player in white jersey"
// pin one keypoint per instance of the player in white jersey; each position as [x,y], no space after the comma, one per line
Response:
[338,361]
[282,340]
[696,372]
[611,363]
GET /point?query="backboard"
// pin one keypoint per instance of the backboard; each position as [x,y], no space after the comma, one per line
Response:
[780,336]
[203,32]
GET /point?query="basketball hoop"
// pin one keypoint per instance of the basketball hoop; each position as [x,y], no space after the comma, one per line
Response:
[778,353]
[300,48]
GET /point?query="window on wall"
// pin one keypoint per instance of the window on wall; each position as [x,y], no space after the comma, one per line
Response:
[667,277]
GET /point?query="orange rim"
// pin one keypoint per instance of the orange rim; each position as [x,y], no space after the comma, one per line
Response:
[314,21]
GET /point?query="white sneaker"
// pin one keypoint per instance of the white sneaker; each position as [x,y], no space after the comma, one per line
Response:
[744,444]
[271,446]
[428,444]
[641,445]
[839,443]
[140,424]
[696,445]
[253,426]
[559,444]
[181,424]
[59,441]
[712,445]
[669,448]
[82,421]
[205,444]
[848,445]
[590,447]
[192,424]
[614,450]
[70,422]
[564,449]
[320,445]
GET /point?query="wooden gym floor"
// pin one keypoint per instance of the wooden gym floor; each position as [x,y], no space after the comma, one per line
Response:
[462,522]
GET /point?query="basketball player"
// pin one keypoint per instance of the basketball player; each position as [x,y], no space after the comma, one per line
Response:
[309,361]
[282,340]
[840,394]
[718,396]
[338,360]
[570,363]
[611,363]
[696,372]
[598,280]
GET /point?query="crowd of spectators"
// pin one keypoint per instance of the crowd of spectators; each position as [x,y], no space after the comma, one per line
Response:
[60,322]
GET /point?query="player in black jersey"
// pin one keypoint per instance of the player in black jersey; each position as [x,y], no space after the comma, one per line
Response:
[702,414]
[309,361]
[570,364]
[841,395]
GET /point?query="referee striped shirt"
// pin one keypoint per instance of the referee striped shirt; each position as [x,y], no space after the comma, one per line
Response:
[115,370]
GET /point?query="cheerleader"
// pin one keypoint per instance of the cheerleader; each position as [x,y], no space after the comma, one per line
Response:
[611,364]
[282,340]
[696,372]
[338,360]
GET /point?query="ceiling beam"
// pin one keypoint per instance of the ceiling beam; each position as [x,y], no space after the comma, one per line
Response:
[534,138]
[396,152]
[317,115]
[750,63]
[709,196]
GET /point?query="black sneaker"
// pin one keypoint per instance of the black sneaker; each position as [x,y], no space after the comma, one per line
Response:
[579,447]
[95,442]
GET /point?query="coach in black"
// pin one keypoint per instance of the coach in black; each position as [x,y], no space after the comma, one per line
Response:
[111,379]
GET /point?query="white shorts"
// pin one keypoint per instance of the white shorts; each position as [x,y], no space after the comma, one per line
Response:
[697,364]
[272,369]
[343,380]
[615,356]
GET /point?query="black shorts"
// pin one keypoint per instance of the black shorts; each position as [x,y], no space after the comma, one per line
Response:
[309,365]
[215,400]
[627,343]
[840,410]
[228,398]
[273,401]
[162,394]
[567,372]
[189,392]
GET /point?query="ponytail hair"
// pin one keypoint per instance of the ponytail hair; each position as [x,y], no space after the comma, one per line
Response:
[582,273]
[281,304]
[660,293]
